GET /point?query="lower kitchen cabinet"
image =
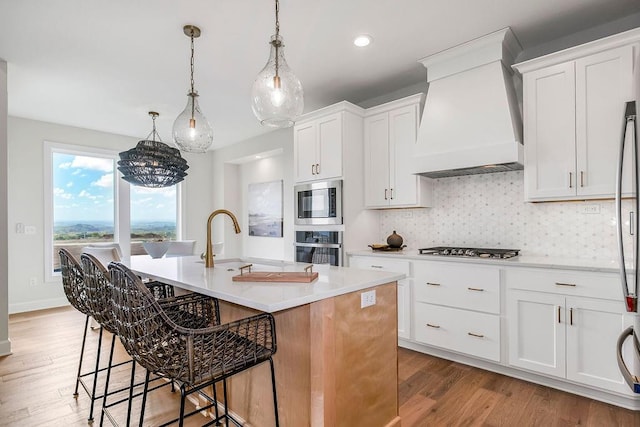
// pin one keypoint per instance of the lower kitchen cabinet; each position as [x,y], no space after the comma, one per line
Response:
[404,286]
[472,333]
[567,337]
[457,307]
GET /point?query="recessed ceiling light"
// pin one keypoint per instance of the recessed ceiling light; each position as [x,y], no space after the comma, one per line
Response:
[363,40]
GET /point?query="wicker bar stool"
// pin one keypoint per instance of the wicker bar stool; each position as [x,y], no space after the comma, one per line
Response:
[194,358]
[197,311]
[74,290]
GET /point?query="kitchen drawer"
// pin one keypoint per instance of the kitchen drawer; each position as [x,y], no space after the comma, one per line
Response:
[469,287]
[577,283]
[476,334]
[379,263]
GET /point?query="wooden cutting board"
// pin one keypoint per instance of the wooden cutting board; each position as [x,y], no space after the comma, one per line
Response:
[279,276]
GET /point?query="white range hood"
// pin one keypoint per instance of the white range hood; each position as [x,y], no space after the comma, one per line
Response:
[471,121]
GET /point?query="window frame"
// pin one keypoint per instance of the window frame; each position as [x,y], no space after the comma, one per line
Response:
[122,202]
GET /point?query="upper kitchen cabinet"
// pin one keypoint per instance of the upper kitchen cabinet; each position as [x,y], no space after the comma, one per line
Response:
[390,132]
[573,104]
[319,139]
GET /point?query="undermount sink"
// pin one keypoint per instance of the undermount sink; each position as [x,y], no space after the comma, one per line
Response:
[234,264]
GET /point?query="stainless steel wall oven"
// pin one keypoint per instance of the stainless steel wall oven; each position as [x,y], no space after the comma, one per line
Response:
[319,247]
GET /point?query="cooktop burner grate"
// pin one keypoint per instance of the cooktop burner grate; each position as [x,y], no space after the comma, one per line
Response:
[470,252]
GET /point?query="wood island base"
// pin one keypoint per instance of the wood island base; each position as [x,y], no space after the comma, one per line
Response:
[336,365]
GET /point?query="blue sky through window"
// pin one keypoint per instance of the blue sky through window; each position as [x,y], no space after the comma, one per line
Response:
[83,190]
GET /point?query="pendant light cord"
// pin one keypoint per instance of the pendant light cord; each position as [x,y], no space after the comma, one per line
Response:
[193,103]
[276,43]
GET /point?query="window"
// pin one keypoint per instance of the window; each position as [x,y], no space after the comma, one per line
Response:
[153,216]
[86,202]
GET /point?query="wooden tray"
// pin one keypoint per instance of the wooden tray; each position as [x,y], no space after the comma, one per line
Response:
[276,276]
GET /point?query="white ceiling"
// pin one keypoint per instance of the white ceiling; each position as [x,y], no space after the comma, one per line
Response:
[104,64]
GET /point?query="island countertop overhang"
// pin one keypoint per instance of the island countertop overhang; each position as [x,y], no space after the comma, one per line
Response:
[189,273]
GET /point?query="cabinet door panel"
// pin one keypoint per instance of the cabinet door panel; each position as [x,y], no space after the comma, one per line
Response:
[403,128]
[603,85]
[376,161]
[549,111]
[592,332]
[305,152]
[404,309]
[330,147]
[536,336]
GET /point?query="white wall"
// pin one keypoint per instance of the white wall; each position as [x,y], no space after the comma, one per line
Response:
[25,203]
[264,170]
[233,169]
[5,344]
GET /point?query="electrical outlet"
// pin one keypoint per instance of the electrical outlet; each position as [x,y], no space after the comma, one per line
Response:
[368,298]
[33,281]
[407,214]
[20,228]
[590,209]
[29,229]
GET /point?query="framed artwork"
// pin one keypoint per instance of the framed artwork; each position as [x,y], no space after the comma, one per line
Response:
[265,209]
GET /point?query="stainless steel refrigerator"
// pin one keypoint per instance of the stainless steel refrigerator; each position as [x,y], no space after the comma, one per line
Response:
[629,353]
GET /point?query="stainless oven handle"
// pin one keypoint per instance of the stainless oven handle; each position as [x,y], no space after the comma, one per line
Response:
[319,245]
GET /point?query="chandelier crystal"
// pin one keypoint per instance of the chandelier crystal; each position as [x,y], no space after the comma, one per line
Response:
[191,130]
[277,98]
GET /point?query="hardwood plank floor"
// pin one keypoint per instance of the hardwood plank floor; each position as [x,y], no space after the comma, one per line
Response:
[36,387]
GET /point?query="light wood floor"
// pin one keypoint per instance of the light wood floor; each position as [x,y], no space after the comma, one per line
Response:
[36,386]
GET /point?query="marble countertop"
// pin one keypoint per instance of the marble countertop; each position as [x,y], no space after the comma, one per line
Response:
[189,273]
[583,264]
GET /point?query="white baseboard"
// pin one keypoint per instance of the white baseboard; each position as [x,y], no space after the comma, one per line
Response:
[5,348]
[37,305]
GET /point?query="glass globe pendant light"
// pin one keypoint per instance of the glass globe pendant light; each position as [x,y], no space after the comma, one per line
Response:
[191,130]
[277,98]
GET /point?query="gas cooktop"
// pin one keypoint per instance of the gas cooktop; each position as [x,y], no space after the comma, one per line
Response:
[470,252]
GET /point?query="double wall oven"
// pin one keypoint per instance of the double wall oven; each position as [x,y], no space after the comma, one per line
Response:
[318,221]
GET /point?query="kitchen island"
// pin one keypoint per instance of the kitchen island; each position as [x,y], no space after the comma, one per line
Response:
[336,362]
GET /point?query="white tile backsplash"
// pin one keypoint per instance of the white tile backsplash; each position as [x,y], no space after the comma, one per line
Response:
[489,211]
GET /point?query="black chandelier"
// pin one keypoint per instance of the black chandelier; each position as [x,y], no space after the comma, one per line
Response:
[152,163]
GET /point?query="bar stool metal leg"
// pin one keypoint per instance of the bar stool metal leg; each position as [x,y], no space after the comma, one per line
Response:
[84,340]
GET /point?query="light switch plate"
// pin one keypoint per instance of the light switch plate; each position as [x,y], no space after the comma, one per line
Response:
[368,299]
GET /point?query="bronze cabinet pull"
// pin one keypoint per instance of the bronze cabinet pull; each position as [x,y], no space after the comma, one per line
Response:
[318,168]
[571,316]
[391,192]
[476,289]
[376,266]
[433,284]
[385,194]
[565,284]
[558,314]
[475,335]
[313,169]
[570,180]
[433,326]
[581,178]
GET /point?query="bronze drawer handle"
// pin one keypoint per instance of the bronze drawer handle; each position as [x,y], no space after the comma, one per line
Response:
[476,289]
[377,266]
[565,284]
[433,284]
[433,326]
[475,335]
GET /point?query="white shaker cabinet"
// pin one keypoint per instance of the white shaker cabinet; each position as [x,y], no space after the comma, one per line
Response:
[554,330]
[390,132]
[457,307]
[319,139]
[573,104]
